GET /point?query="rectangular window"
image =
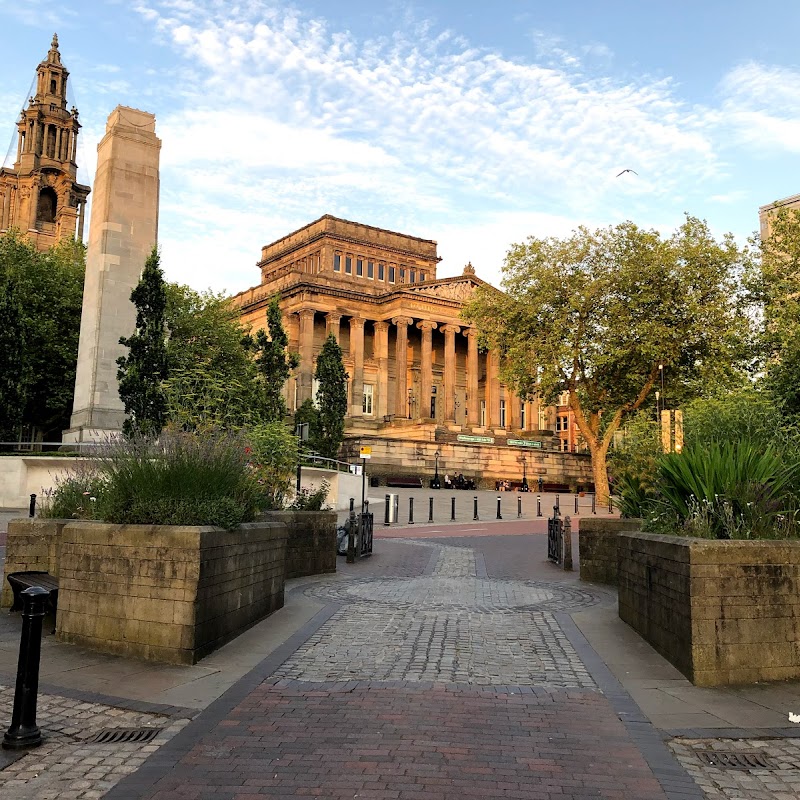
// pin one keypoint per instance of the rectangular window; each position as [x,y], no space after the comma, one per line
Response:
[337,263]
[370,269]
[402,275]
[359,267]
[483,413]
[522,416]
[413,276]
[502,413]
[348,265]
[366,405]
[565,445]
[391,274]
[433,406]
[381,272]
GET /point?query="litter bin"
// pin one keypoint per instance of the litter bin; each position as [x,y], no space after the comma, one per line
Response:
[374,480]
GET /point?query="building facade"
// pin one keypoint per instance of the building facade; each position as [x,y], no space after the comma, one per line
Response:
[765,213]
[40,195]
[419,385]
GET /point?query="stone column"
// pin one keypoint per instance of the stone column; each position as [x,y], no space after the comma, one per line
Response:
[401,366]
[82,214]
[449,388]
[492,391]
[381,334]
[426,368]
[34,207]
[473,401]
[122,234]
[305,372]
[332,320]
[4,222]
[357,353]
[59,131]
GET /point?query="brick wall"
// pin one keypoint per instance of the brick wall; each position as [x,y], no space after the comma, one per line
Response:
[723,612]
[597,547]
[32,545]
[166,593]
[311,541]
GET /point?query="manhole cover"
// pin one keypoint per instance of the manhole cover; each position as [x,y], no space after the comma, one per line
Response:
[120,735]
[727,759]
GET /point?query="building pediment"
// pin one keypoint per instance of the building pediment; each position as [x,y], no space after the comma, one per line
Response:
[461,288]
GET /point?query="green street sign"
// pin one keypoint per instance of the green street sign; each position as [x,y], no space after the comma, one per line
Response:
[524,443]
[475,439]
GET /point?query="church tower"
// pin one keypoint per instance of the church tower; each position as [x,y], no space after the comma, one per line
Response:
[40,195]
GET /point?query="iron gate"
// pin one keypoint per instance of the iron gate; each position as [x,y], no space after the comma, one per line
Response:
[555,539]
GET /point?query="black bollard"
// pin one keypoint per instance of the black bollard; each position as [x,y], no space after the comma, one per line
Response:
[351,536]
[386,511]
[23,731]
[475,507]
[352,505]
[519,506]
[452,509]
[594,498]
[410,510]
[32,509]
[558,502]
[499,515]
[576,502]
[538,505]
[430,509]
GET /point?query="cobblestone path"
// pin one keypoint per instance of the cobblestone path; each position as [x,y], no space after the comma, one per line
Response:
[438,684]
[68,766]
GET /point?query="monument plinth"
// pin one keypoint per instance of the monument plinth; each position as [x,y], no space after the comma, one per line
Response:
[122,233]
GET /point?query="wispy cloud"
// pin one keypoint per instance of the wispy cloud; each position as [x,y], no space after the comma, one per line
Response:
[284,117]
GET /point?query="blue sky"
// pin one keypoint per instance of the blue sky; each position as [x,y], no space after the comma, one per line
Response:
[472,123]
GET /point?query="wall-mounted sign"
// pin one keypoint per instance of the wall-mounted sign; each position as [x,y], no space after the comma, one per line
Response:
[462,437]
[524,443]
[365,452]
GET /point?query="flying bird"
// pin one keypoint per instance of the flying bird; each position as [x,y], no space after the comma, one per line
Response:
[628,170]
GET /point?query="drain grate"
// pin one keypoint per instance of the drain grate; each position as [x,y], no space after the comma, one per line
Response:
[126,735]
[731,759]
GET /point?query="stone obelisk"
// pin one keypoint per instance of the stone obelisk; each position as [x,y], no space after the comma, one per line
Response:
[122,233]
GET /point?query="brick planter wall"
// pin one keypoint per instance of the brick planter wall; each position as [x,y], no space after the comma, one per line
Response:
[311,542]
[597,547]
[32,544]
[723,612]
[166,593]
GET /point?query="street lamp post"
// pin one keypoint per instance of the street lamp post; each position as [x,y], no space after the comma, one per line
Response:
[436,484]
[524,474]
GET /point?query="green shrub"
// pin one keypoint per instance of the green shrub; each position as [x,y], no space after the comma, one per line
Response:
[272,454]
[729,490]
[179,479]
[75,493]
[306,500]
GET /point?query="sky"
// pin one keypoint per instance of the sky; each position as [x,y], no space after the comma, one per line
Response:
[474,124]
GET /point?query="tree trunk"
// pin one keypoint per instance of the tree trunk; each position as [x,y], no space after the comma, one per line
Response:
[600,473]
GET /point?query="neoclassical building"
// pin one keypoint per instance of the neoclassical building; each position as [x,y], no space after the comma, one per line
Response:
[40,195]
[418,382]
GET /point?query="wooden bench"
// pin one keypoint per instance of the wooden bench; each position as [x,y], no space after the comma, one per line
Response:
[404,482]
[20,581]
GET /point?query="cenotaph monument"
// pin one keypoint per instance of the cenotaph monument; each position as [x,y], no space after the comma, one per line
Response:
[122,232]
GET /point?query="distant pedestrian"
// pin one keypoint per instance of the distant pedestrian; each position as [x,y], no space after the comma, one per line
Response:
[541,484]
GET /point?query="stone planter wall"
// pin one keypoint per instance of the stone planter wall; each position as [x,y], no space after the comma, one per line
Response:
[311,541]
[723,612]
[597,547]
[166,593]
[32,544]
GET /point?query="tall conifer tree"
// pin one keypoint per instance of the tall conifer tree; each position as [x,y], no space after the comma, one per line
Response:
[142,372]
[331,397]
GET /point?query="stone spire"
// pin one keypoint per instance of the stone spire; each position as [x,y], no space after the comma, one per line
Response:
[53,56]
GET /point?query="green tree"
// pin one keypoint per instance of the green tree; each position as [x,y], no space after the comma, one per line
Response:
[331,398]
[597,313]
[776,286]
[308,414]
[274,363]
[41,296]
[142,372]
[212,380]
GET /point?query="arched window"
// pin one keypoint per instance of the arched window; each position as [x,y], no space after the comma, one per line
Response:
[48,202]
